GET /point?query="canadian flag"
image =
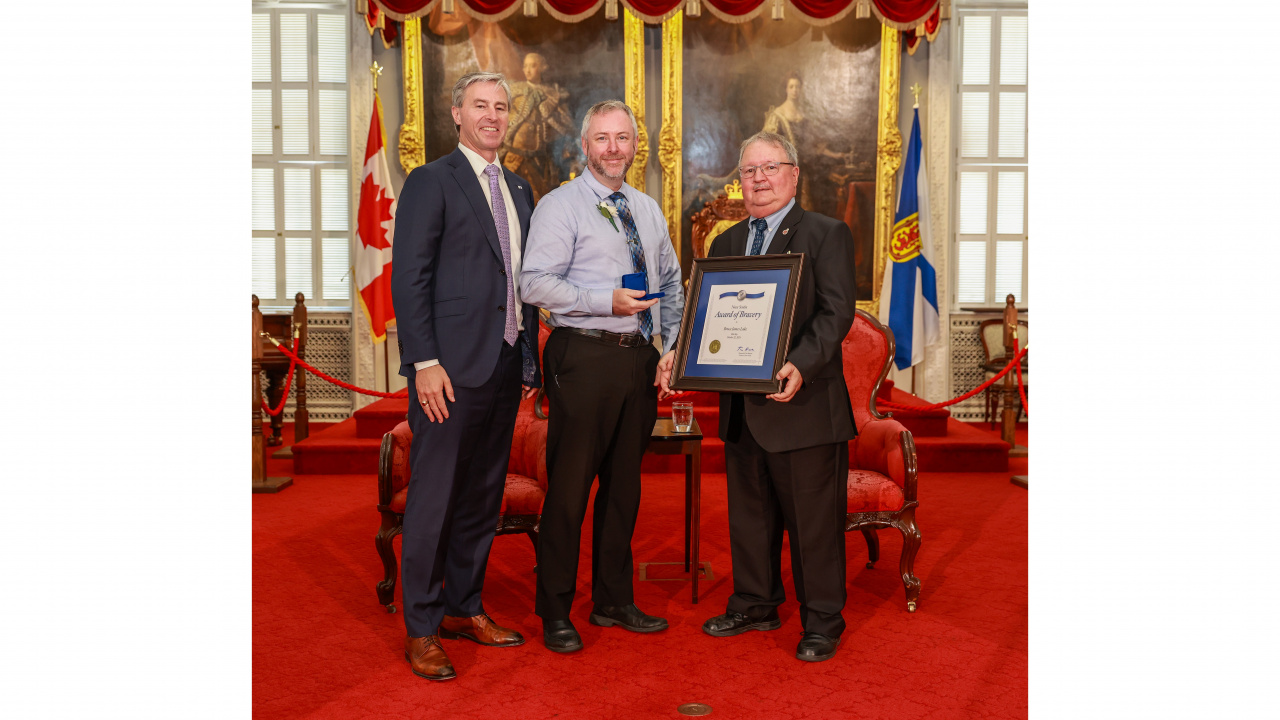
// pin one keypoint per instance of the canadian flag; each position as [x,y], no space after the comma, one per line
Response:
[375,226]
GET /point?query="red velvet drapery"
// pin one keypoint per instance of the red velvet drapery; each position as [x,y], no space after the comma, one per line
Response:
[900,14]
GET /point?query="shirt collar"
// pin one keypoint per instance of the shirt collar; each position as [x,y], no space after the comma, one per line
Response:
[772,221]
[598,187]
[478,164]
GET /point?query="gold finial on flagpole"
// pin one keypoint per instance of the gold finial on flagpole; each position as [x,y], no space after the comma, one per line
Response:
[915,90]
[375,69]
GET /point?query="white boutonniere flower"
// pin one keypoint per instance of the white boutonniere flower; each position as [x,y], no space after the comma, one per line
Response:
[609,212]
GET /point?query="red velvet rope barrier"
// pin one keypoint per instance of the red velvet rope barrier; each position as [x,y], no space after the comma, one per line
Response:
[329,378]
[1012,364]
[287,380]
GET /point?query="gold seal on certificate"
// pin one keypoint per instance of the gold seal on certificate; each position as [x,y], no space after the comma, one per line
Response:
[737,316]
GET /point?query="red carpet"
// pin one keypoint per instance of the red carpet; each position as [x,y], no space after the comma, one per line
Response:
[324,648]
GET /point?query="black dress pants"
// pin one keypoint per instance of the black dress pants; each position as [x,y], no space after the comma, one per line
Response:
[603,408]
[459,469]
[805,492]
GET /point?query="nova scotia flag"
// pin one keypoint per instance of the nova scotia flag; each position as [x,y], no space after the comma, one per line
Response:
[909,295]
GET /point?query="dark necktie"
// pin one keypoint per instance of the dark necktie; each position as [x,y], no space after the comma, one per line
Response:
[761,226]
[504,241]
[637,255]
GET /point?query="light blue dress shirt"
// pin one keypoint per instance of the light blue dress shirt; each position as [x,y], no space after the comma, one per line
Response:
[574,259]
[772,221]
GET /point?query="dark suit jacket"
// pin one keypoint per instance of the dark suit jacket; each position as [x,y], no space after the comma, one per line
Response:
[448,280]
[820,412]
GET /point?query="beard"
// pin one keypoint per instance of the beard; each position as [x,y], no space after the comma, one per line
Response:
[597,164]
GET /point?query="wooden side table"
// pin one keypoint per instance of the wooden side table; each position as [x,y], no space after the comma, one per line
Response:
[666,441]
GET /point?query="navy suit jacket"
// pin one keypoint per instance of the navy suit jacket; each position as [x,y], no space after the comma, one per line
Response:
[819,413]
[448,280]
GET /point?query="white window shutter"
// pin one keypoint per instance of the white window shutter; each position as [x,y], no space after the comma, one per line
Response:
[973,272]
[293,47]
[1013,50]
[297,267]
[336,268]
[331,47]
[976,51]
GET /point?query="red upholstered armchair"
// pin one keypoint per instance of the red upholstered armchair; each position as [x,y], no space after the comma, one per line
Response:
[882,459]
[526,487]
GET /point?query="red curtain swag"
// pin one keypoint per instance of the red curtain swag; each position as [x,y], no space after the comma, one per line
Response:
[899,14]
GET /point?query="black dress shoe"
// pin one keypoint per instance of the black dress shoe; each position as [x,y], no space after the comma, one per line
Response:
[560,636]
[628,616]
[816,647]
[732,623]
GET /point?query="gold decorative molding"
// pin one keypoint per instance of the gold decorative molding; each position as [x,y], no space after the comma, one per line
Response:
[888,157]
[633,52]
[413,151]
[670,138]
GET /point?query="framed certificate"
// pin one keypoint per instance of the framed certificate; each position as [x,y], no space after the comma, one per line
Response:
[737,323]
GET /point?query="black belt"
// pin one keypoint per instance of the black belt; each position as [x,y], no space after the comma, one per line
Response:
[613,338]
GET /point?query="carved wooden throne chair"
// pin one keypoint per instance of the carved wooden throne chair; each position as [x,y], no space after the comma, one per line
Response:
[717,216]
[526,486]
[882,458]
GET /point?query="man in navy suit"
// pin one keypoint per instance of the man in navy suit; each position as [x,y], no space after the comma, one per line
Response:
[467,345]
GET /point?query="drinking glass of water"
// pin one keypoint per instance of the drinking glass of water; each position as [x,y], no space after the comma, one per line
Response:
[682,415]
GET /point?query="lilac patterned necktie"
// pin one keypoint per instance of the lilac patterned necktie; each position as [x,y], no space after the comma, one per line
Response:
[637,255]
[504,241]
[761,225]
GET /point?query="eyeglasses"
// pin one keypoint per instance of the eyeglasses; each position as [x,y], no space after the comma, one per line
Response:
[769,169]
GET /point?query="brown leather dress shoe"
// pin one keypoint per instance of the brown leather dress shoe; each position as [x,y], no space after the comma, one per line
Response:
[479,629]
[427,658]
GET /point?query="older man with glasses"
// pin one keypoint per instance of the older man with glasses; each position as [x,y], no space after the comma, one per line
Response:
[787,454]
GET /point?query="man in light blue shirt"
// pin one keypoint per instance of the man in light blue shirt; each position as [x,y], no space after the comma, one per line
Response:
[603,373]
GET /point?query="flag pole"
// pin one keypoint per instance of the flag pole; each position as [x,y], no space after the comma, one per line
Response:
[376,70]
[915,92]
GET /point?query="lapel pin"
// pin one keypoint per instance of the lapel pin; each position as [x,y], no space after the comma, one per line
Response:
[786,230]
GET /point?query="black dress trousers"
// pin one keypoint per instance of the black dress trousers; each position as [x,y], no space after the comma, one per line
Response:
[804,492]
[603,408]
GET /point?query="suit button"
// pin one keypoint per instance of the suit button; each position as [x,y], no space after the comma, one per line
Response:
[502,308]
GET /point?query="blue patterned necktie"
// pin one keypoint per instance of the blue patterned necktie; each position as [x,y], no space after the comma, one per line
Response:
[637,255]
[761,226]
[504,241]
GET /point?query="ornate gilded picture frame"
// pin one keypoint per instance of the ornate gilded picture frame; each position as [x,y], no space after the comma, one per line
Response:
[832,90]
[556,71]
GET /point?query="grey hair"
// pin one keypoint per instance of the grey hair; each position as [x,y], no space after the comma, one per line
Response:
[466,81]
[608,106]
[773,139]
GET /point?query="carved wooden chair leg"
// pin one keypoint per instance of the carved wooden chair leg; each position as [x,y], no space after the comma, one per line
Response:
[910,544]
[533,538]
[391,527]
[873,546]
